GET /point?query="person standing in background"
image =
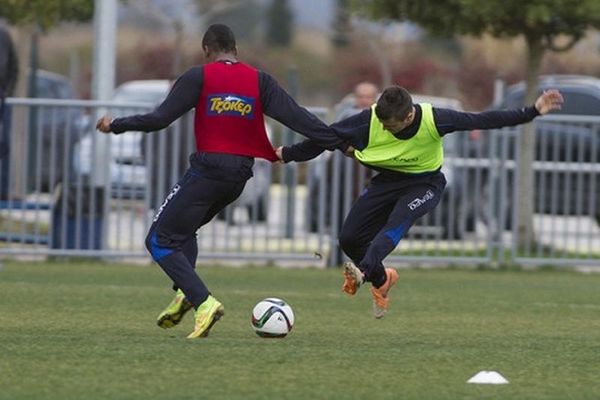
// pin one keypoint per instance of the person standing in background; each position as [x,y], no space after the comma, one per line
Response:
[9,74]
[363,96]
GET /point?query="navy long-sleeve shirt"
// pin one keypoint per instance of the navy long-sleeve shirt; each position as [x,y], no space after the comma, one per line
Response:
[276,103]
[355,129]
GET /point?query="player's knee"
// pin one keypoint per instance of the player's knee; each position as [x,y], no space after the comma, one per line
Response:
[148,241]
[157,247]
[152,240]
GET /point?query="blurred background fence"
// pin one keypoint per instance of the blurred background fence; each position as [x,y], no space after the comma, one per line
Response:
[67,190]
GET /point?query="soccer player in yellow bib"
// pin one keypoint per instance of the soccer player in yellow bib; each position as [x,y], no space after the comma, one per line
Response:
[404,143]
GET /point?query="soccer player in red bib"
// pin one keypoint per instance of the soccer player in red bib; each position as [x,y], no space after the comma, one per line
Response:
[229,98]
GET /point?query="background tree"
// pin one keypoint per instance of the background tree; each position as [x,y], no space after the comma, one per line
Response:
[341,24]
[245,17]
[46,13]
[211,11]
[546,25]
[279,24]
[169,16]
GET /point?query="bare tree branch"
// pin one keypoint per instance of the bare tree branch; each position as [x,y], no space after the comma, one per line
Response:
[550,43]
[377,50]
[148,10]
[210,8]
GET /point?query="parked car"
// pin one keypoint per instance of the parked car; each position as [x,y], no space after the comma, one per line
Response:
[567,142]
[53,132]
[166,153]
[455,218]
[129,177]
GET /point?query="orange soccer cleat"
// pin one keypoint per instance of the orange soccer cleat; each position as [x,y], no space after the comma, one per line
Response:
[353,278]
[380,295]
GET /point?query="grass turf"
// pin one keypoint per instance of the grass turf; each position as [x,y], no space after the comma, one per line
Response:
[86,330]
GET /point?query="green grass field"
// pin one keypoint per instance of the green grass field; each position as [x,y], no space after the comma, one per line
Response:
[86,330]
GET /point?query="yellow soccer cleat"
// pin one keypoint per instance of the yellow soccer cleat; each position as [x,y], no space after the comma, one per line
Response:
[206,315]
[174,312]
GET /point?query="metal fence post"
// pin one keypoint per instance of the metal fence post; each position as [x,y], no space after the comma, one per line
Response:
[105,28]
[290,169]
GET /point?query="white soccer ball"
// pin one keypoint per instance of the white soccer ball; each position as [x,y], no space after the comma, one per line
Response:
[272,318]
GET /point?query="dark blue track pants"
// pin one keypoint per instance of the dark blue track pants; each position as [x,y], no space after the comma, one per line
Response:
[382,215]
[171,241]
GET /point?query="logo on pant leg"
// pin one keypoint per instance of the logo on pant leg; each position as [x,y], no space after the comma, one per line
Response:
[419,201]
[164,204]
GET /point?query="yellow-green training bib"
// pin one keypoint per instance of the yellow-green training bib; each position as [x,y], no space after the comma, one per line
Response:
[421,153]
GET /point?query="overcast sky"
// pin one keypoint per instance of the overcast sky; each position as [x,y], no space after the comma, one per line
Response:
[314,14]
[317,14]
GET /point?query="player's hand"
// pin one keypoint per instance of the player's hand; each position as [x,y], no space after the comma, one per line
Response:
[349,152]
[548,101]
[103,124]
[279,154]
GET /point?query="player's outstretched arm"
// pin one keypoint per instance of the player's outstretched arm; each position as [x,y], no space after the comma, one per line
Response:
[302,151]
[279,105]
[451,121]
[182,97]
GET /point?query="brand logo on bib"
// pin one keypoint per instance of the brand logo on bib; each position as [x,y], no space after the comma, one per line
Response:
[231,105]
[406,160]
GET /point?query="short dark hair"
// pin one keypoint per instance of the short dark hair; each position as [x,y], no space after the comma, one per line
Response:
[219,38]
[394,102]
